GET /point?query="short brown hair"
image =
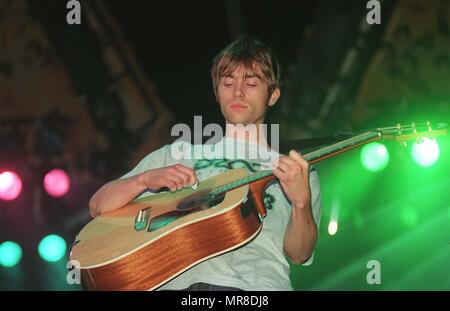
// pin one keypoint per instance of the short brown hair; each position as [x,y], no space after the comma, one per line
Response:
[247,51]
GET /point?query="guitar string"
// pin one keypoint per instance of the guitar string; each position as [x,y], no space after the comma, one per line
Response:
[309,157]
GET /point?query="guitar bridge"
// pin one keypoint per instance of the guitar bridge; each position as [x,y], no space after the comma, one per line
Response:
[141,221]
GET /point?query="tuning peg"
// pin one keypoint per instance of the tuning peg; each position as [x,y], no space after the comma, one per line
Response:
[413,125]
[398,126]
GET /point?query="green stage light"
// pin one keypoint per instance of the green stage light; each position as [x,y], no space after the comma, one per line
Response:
[426,152]
[52,248]
[10,254]
[374,156]
[332,227]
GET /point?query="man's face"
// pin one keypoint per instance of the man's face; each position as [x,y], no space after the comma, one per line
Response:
[244,96]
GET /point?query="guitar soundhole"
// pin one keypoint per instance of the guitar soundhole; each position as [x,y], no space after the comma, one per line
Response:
[193,201]
[189,207]
[215,200]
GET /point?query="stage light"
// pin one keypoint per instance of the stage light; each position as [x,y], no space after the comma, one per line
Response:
[374,156]
[10,254]
[10,186]
[334,215]
[56,183]
[332,227]
[426,152]
[52,248]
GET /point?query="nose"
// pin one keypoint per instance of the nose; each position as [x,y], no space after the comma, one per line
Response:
[238,91]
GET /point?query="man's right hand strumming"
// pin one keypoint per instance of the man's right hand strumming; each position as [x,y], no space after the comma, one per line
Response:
[120,192]
[175,177]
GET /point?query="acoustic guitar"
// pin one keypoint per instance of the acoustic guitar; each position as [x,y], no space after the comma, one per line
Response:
[153,239]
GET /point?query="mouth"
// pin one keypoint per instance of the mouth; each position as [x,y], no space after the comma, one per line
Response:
[238,106]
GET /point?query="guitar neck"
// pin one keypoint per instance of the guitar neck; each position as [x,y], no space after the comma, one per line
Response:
[341,147]
[312,157]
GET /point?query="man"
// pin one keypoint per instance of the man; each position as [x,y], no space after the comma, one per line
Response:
[246,82]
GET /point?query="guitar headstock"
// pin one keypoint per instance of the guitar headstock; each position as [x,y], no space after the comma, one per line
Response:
[413,131]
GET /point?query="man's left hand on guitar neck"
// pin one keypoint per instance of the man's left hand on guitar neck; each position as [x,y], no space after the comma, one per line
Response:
[301,233]
[293,173]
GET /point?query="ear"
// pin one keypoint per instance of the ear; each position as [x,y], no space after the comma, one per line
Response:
[274,97]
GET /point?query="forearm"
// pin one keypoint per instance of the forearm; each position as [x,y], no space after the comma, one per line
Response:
[115,195]
[301,234]
[119,193]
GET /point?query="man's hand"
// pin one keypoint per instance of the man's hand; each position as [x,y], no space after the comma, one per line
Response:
[301,232]
[173,177]
[293,173]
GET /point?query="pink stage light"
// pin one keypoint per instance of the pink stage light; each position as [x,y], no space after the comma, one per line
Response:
[56,183]
[10,186]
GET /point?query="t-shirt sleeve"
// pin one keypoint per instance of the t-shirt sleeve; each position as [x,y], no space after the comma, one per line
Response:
[315,204]
[155,159]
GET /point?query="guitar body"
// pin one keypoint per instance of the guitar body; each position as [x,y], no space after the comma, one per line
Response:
[113,255]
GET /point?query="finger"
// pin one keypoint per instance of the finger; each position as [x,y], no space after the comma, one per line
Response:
[283,166]
[179,182]
[289,166]
[189,171]
[185,177]
[174,171]
[171,185]
[297,156]
[288,161]
[279,173]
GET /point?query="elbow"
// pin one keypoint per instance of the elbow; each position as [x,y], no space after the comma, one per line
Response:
[301,253]
[298,259]
[93,207]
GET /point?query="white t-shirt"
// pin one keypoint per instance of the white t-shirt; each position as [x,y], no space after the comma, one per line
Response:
[261,264]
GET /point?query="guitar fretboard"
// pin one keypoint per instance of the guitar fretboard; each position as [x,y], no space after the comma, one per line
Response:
[315,156]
